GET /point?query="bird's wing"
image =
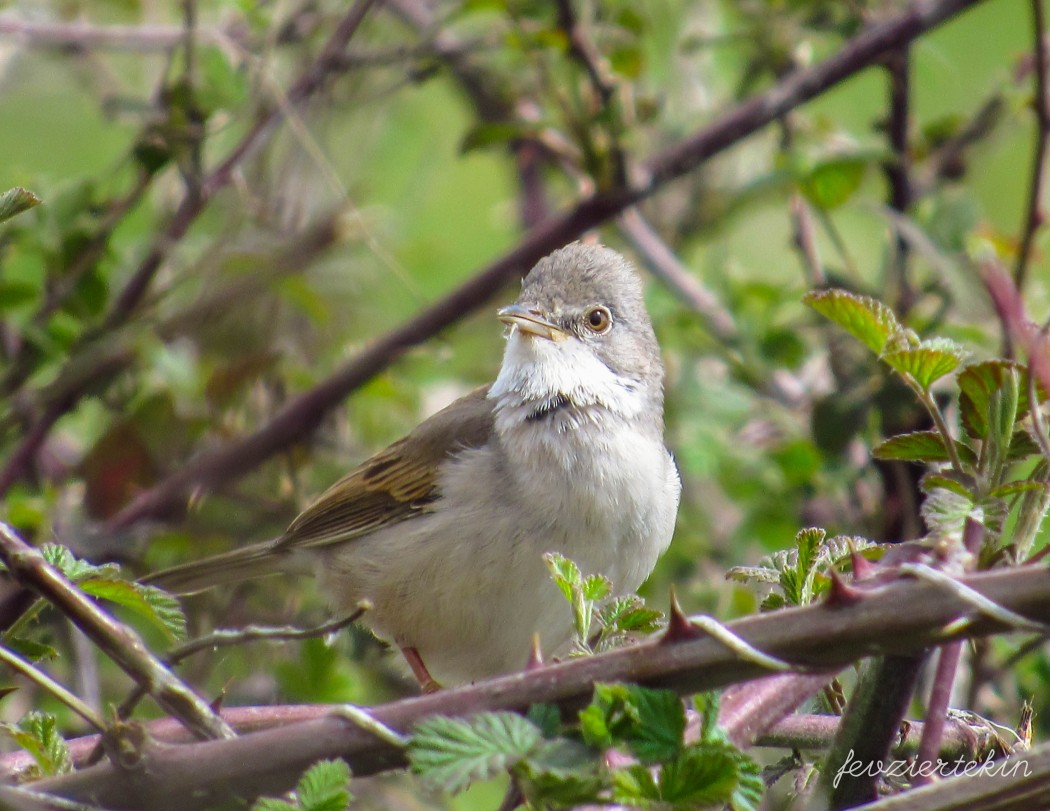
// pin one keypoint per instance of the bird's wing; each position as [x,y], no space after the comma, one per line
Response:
[395,484]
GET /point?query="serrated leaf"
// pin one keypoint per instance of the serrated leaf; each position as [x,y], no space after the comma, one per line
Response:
[702,775]
[151,603]
[273,804]
[932,481]
[1013,488]
[918,446]
[15,201]
[707,706]
[634,785]
[325,787]
[596,587]
[564,572]
[74,568]
[866,319]
[927,362]
[944,512]
[451,752]
[753,574]
[978,382]
[36,732]
[629,613]
[650,722]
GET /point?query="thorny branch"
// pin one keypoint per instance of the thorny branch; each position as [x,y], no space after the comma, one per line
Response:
[901,617]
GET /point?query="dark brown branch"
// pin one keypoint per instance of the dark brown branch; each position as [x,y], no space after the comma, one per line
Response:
[117,641]
[304,413]
[898,64]
[901,618]
[1034,217]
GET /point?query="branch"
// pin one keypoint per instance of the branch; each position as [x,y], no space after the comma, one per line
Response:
[135,38]
[117,641]
[1034,212]
[301,416]
[901,618]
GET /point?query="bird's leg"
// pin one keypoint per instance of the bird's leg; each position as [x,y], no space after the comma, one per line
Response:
[426,682]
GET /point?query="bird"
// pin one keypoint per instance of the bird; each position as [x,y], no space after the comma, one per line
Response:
[444,532]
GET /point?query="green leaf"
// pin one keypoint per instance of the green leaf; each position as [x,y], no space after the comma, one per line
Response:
[932,481]
[944,512]
[927,362]
[1013,488]
[650,722]
[918,446]
[451,752]
[635,785]
[978,382]
[30,649]
[629,614]
[546,717]
[833,182]
[325,787]
[563,572]
[36,734]
[75,569]
[151,603]
[700,776]
[596,587]
[866,319]
[15,201]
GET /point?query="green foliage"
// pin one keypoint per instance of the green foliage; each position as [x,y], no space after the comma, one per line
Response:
[559,767]
[158,607]
[618,618]
[37,733]
[984,463]
[801,573]
[325,786]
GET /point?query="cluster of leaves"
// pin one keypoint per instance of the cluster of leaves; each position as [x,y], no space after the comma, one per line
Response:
[994,464]
[561,765]
[600,621]
[801,573]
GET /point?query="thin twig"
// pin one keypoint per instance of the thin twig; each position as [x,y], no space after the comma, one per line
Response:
[898,64]
[45,682]
[1034,211]
[119,642]
[665,265]
[137,38]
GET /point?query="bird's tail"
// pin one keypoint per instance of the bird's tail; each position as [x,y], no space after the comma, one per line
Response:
[231,567]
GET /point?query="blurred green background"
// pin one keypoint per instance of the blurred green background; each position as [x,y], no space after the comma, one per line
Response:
[769,436]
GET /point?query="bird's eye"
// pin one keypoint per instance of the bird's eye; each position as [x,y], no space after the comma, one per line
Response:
[598,319]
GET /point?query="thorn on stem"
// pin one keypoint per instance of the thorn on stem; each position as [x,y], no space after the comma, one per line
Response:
[841,593]
[679,628]
[535,660]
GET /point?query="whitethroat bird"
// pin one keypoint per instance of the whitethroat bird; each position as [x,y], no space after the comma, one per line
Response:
[445,530]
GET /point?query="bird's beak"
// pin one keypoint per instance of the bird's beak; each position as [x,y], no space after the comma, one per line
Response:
[530,322]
